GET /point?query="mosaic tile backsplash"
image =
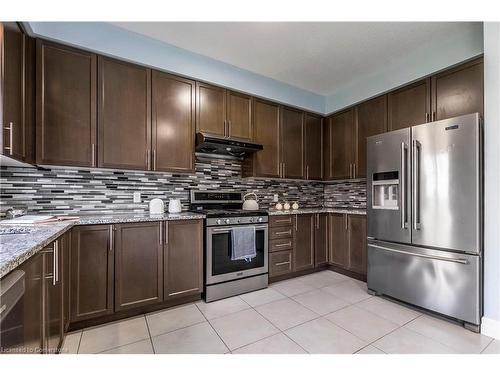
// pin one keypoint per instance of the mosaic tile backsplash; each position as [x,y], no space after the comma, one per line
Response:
[74,190]
[345,194]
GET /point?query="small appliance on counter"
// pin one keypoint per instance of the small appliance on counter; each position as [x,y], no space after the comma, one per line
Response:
[156,207]
[250,204]
[174,206]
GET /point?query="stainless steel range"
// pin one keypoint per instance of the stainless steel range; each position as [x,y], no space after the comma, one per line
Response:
[226,275]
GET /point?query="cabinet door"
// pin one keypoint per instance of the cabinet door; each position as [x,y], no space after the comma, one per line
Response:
[458,91]
[371,119]
[66,106]
[124,115]
[210,109]
[239,115]
[320,240]
[138,265]
[313,145]
[292,143]
[173,122]
[53,297]
[357,243]
[13,90]
[339,145]
[280,263]
[32,321]
[337,240]
[409,105]
[92,272]
[183,258]
[266,131]
[303,256]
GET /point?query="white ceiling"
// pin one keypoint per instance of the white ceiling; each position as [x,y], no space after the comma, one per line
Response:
[319,57]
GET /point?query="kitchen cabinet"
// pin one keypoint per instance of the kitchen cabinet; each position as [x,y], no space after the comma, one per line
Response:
[53,330]
[173,124]
[313,147]
[92,271]
[339,146]
[66,106]
[303,235]
[123,115]
[292,143]
[239,115]
[347,242]
[280,263]
[409,105]
[13,48]
[65,250]
[266,131]
[321,240]
[458,91]
[182,258]
[371,119]
[138,264]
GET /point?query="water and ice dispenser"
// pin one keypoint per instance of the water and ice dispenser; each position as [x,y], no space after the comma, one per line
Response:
[385,191]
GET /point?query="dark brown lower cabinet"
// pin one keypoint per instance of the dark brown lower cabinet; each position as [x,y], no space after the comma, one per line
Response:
[138,264]
[347,242]
[280,263]
[183,258]
[65,249]
[92,272]
[303,233]
[320,240]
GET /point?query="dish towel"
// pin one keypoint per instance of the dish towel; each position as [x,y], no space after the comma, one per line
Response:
[243,243]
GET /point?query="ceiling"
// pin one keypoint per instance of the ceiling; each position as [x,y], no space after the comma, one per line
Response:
[316,56]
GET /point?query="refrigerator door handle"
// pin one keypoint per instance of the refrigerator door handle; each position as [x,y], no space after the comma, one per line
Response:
[404,223]
[416,184]
[446,259]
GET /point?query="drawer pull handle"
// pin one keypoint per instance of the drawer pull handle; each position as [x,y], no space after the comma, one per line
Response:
[283,244]
[284,221]
[281,263]
[287,232]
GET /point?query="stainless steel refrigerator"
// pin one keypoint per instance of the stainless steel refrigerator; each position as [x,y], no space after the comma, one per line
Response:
[425,210]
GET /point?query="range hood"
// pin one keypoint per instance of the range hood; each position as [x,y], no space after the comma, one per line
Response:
[215,144]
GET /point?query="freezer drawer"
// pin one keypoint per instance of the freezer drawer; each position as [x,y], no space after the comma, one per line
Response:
[444,282]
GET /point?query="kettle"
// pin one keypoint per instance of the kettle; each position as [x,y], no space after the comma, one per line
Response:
[250,204]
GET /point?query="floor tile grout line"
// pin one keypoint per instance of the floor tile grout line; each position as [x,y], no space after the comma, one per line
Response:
[217,333]
[79,342]
[119,346]
[487,346]
[149,332]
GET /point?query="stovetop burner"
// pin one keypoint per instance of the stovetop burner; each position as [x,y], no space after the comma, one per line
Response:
[221,204]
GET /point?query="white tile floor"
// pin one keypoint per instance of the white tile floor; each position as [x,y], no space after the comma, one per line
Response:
[323,312]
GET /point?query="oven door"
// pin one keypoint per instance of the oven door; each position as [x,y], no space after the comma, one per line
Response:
[220,267]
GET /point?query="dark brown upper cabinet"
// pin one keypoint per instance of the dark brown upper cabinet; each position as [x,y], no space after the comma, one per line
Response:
[123,115]
[339,144]
[320,240]
[313,147]
[239,115]
[223,112]
[409,105]
[458,91]
[303,236]
[371,119]
[183,258]
[173,123]
[13,76]
[138,264]
[292,143]
[266,131]
[66,106]
[92,271]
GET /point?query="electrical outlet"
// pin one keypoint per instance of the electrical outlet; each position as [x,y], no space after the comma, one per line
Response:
[137,197]
[275,198]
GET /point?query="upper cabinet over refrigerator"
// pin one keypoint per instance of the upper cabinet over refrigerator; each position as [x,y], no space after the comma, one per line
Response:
[388,186]
[446,174]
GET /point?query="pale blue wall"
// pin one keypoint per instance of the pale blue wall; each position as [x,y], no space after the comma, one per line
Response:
[114,41]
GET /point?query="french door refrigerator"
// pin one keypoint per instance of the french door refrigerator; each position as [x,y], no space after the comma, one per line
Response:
[424,207]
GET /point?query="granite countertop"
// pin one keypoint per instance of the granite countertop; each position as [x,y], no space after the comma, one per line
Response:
[319,210]
[17,248]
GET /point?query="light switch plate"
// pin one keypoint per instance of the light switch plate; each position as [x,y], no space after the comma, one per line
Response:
[137,197]
[275,198]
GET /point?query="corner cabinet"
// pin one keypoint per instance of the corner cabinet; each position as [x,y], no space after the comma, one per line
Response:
[313,147]
[292,143]
[303,237]
[339,145]
[321,240]
[182,258]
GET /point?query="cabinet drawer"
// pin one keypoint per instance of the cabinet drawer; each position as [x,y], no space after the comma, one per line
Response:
[280,232]
[281,244]
[280,263]
[280,221]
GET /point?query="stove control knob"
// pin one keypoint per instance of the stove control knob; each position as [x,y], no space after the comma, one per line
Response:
[260,219]
[228,221]
[218,221]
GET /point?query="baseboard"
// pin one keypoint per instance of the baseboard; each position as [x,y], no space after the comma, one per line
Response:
[490,327]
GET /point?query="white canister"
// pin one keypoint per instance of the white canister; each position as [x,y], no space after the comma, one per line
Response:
[156,207]
[286,206]
[174,206]
[279,206]
[295,206]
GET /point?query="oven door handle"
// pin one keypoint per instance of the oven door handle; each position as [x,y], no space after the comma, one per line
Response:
[227,230]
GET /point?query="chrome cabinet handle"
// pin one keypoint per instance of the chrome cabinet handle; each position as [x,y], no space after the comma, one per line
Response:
[296,223]
[307,172]
[353,170]
[289,220]
[289,243]
[148,160]
[93,154]
[166,232]
[280,233]
[281,263]
[111,235]
[416,184]
[54,263]
[161,233]
[154,159]
[403,185]
[9,128]
[350,170]
[446,259]
[346,221]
